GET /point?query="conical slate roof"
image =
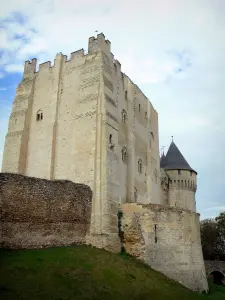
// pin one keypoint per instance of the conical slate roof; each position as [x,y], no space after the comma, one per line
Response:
[174,160]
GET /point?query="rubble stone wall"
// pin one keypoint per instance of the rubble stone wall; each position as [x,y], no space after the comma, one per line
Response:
[36,213]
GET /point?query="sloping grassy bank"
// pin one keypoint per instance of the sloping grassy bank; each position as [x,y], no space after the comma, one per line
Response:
[83,272]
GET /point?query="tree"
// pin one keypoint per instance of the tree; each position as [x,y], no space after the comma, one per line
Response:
[213,238]
[209,237]
[220,220]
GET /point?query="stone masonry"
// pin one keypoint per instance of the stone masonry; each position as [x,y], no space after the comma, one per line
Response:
[168,239]
[36,213]
[83,120]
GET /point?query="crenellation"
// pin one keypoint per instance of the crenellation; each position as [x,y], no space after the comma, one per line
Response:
[99,44]
[77,54]
[45,66]
[30,68]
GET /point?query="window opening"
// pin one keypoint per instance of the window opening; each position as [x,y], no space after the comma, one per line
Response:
[140,166]
[155,233]
[39,116]
[124,116]
[124,154]
[110,138]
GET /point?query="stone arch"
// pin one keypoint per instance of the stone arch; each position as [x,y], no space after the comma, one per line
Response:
[217,276]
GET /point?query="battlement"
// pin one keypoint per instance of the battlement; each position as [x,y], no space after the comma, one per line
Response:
[77,54]
[99,44]
[30,67]
[95,44]
[117,64]
[44,66]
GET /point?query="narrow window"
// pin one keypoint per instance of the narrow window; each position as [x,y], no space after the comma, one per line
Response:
[152,135]
[110,138]
[191,173]
[155,233]
[39,116]
[125,95]
[140,166]
[135,194]
[124,116]
[146,115]
[178,172]
[139,107]
[124,154]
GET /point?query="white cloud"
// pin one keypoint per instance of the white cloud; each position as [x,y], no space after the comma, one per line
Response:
[66,27]
[11,68]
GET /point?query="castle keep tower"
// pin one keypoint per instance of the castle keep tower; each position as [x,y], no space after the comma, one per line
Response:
[182,179]
[84,120]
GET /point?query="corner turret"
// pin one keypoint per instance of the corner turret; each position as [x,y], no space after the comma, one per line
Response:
[182,179]
[99,44]
[29,68]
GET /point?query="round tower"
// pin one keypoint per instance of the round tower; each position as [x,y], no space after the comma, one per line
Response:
[182,179]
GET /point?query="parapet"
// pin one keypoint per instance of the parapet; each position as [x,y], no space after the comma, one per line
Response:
[99,44]
[117,64]
[29,67]
[77,54]
[44,66]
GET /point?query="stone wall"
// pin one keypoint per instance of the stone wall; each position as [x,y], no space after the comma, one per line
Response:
[37,213]
[214,265]
[168,239]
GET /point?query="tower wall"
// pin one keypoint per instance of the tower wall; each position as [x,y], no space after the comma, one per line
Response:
[168,239]
[182,188]
[17,138]
[133,123]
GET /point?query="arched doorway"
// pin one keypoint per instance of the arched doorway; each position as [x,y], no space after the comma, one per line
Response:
[218,277]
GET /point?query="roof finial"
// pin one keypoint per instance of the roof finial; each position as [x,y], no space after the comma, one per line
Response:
[172,138]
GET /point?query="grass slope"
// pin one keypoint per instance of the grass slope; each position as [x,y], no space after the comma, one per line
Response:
[85,273]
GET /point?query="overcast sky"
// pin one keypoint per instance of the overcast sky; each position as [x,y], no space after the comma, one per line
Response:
[173,50]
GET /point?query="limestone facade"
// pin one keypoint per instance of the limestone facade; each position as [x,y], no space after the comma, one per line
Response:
[82,119]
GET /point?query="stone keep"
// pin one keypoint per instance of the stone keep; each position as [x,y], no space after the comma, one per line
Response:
[82,119]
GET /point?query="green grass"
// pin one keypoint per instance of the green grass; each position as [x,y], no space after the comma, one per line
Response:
[86,273]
